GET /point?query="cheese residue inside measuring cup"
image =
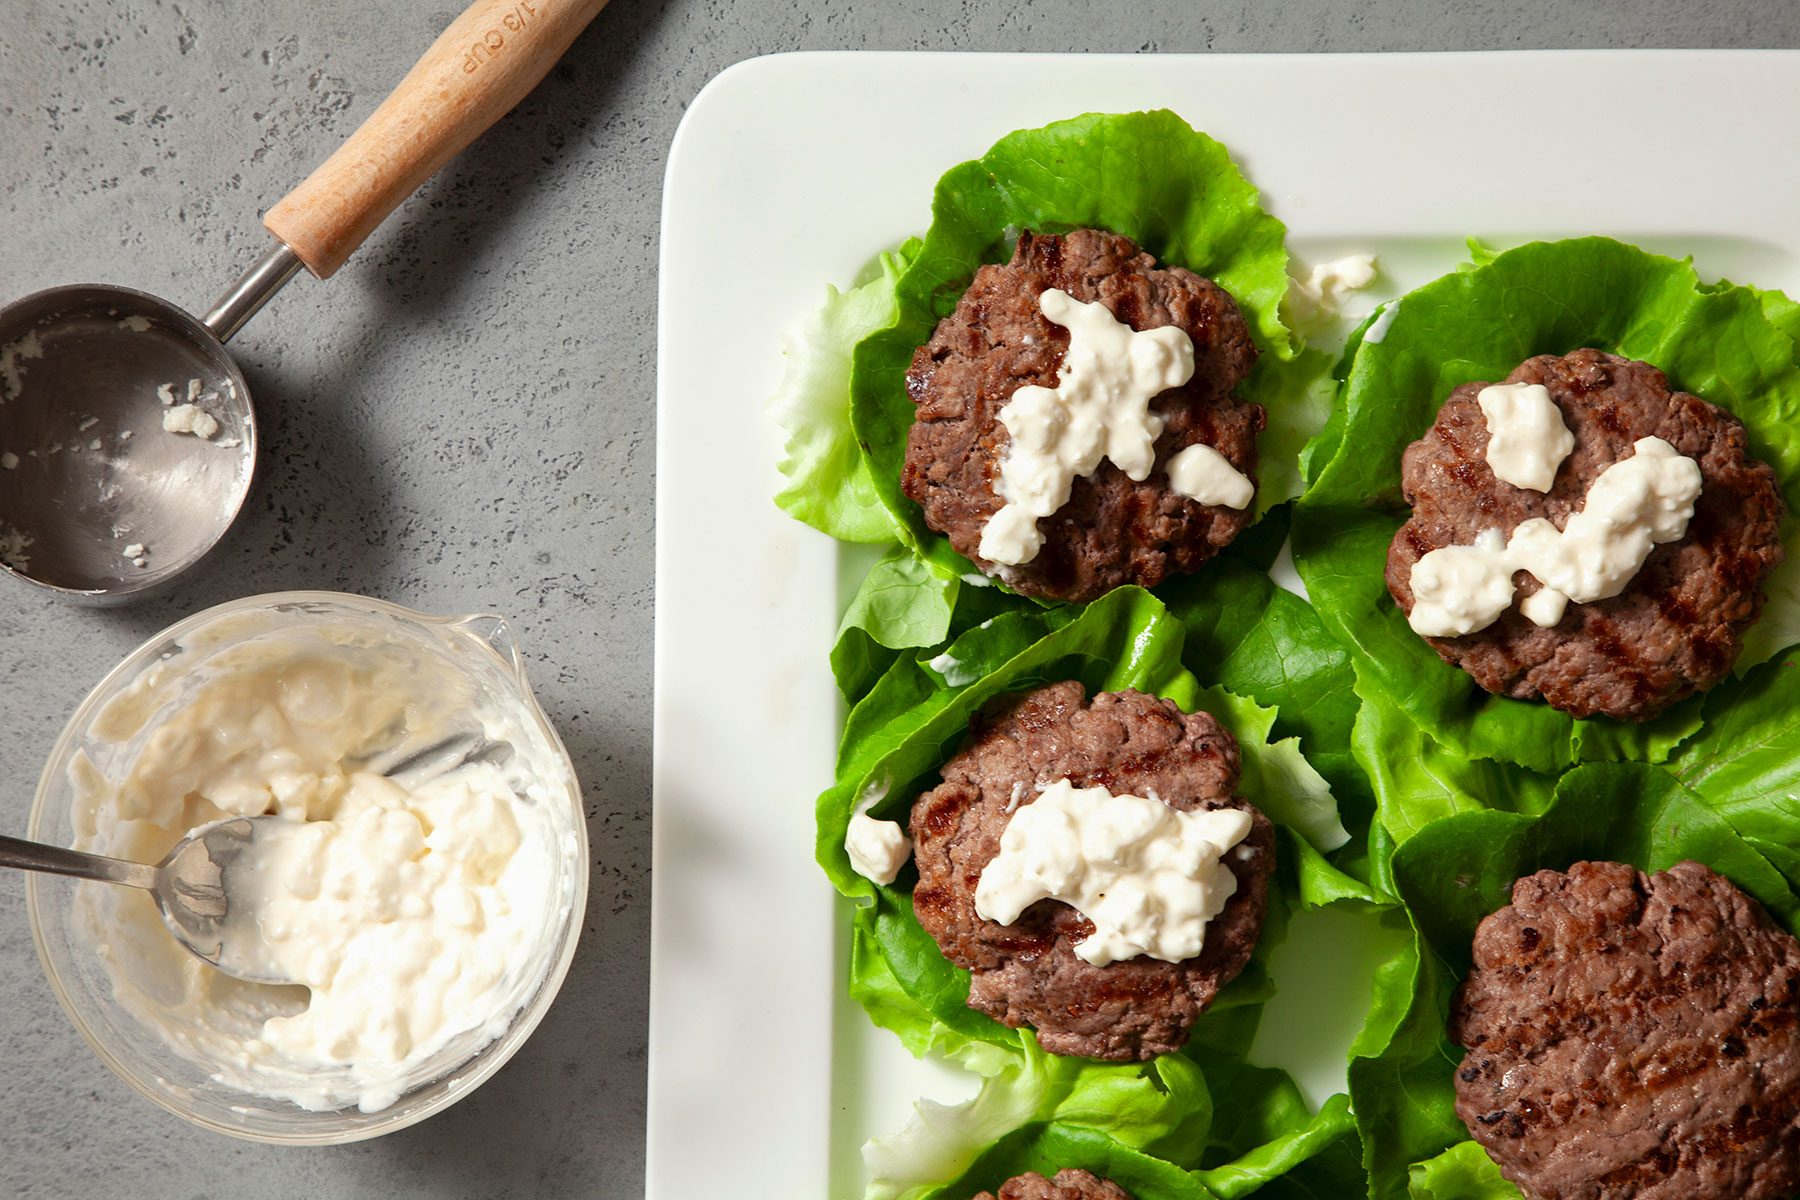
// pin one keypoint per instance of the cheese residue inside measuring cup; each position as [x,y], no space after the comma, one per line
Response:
[415,906]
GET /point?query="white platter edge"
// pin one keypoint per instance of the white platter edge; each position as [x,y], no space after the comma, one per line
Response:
[789,172]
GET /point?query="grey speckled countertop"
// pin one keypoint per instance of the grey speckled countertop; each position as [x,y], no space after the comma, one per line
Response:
[462,419]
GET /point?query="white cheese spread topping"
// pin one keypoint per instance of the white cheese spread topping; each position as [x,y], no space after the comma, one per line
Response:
[1635,505]
[1527,440]
[1099,409]
[954,672]
[1148,876]
[1201,473]
[401,911]
[1384,321]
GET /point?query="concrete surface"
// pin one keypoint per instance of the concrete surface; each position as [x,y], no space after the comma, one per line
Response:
[462,420]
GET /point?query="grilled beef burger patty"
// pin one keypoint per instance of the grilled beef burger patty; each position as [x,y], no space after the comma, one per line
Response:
[1678,626]
[1027,973]
[1069,1184]
[1633,1037]
[1113,530]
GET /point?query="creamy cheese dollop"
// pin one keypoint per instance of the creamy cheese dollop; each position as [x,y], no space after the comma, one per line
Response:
[1099,409]
[877,848]
[394,907]
[1635,505]
[1527,440]
[1148,876]
[1203,474]
[1384,320]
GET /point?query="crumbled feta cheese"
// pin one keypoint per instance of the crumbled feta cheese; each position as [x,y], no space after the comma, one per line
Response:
[1316,302]
[190,418]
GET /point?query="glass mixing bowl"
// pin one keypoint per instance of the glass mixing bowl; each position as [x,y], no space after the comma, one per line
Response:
[479,652]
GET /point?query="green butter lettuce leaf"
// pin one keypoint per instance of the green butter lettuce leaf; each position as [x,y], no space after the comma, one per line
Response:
[916,716]
[896,737]
[1146,175]
[1249,636]
[1288,790]
[1478,324]
[1456,871]
[1463,1172]
[1782,312]
[1259,1138]
[1298,395]
[1265,1130]
[1745,764]
[1139,1103]
[902,604]
[1050,1147]
[1400,1088]
[1417,781]
[828,484]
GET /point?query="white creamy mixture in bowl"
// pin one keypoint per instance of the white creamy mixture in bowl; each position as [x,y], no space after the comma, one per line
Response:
[425,877]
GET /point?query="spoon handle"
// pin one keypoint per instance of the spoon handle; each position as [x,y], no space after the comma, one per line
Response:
[32,856]
[482,65]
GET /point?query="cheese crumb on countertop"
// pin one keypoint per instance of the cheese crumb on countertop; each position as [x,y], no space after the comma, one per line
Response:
[28,346]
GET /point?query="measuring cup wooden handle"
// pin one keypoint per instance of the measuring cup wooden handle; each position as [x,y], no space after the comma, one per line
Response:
[479,68]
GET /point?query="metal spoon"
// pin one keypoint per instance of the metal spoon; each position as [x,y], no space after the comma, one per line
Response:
[98,500]
[192,885]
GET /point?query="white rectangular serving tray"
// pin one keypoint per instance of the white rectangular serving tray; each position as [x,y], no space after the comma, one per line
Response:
[791,172]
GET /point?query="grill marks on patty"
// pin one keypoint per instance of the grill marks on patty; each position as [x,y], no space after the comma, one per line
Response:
[1027,973]
[1113,530]
[1678,626]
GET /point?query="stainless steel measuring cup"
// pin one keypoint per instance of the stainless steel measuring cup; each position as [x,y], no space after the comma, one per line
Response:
[127,436]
